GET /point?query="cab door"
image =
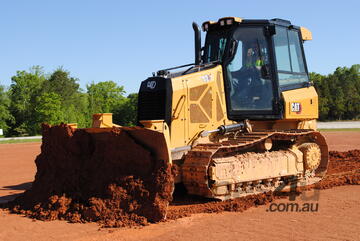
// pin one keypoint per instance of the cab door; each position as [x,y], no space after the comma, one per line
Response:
[250,87]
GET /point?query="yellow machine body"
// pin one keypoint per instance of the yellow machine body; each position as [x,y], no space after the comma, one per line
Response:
[199,104]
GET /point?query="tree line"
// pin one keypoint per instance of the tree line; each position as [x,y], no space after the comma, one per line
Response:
[35,97]
[339,93]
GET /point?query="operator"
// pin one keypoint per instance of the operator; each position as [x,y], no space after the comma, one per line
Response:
[253,58]
[251,69]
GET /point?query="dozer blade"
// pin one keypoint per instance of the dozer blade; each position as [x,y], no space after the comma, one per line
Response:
[105,173]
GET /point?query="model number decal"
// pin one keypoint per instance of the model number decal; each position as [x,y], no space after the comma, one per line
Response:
[151,84]
[296,107]
[206,78]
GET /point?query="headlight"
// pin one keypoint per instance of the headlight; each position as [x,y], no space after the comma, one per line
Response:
[229,21]
[206,25]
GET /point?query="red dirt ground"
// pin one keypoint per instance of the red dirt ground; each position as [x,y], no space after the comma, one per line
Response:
[338,217]
[342,141]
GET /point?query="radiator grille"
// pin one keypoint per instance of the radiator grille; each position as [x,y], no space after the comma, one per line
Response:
[152,105]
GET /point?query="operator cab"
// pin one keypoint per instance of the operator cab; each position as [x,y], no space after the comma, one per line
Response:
[260,59]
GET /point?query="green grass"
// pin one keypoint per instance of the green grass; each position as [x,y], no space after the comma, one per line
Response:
[341,129]
[20,141]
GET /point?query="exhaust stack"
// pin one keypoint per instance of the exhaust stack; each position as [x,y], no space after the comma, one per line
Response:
[197,35]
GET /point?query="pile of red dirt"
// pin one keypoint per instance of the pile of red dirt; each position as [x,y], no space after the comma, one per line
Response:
[344,169]
[87,175]
[343,161]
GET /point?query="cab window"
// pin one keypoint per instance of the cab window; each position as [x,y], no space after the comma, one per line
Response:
[214,47]
[249,83]
[289,57]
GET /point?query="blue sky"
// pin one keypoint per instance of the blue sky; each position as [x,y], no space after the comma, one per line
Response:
[125,41]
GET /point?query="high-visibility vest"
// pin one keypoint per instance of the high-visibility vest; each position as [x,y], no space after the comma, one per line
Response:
[258,63]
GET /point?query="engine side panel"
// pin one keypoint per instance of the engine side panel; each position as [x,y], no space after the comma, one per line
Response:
[301,103]
[198,104]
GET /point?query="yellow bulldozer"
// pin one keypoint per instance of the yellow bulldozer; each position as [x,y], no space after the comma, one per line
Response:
[241,120]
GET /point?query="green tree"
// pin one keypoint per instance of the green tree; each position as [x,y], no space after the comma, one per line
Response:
[74,103]
[48,109]
[25,87]
[77,111]
[104,97]
[350,79]
[339,93]
[5,117]
[126,113]
[323,92]
[61,83]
